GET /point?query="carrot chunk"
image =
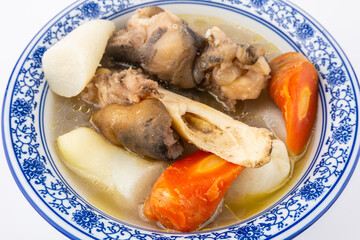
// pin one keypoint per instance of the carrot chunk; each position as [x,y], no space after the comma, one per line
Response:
[189,191]
[294,88]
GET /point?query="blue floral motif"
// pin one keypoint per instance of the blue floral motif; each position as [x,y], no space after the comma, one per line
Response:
[343,133]
[162,238]
[33,168]
[21,108]
[18,151]
[37,56]
[249,232]
[312,190]
[258,3]
[91,10]
[68,29]
[86,219]
[336,77]
[304,31]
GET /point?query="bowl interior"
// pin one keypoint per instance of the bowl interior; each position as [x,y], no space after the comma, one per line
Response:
[244,19]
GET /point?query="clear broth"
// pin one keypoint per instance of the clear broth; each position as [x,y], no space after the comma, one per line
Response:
[69,114]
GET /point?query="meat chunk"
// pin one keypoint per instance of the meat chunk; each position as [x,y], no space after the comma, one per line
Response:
[160,42]
[144,128]
[163,45]
[131,115]
[231,71]
[124,87]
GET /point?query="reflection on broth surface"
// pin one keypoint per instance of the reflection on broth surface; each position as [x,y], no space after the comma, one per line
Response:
[71,113]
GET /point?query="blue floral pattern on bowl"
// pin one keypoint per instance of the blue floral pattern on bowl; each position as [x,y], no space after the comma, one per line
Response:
[327,174]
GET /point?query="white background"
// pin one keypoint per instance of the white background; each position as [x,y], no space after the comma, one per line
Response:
[21,20]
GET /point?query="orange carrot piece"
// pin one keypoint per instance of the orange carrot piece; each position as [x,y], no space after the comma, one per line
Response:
[294,88]
[189,191]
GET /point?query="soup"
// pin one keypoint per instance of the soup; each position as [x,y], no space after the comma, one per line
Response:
[70,113]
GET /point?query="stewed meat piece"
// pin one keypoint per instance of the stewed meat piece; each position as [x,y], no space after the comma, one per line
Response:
[123,87]
[163,45]
[160,42]
[231,71]
[144,128]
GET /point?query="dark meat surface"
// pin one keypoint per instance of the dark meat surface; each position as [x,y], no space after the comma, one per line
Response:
[144,128]
[163,45]
[124,87]
[231,71]
[160,42]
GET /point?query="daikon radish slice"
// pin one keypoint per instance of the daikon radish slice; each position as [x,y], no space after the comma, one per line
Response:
[265,179]
[71,63]
[90,156]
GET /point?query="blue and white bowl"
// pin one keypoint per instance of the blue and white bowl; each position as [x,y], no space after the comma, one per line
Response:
[332,159]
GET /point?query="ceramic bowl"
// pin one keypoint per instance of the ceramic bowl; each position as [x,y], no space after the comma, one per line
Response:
[331,161]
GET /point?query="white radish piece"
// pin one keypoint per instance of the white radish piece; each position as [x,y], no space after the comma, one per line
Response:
[265,179]
[71,63]
[90,156]
[134,176]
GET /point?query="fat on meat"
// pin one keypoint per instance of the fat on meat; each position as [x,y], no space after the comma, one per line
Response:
[123,87]
[232,71]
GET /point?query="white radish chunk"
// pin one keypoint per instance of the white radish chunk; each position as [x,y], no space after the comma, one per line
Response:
[87,154]
[90,156]
[265,179]
[136,176]
[71,63]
